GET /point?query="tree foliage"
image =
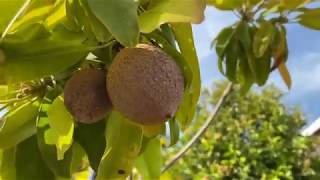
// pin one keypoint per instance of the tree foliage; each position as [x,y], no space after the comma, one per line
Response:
[254,137]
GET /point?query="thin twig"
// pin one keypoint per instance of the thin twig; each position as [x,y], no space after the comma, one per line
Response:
[202,130]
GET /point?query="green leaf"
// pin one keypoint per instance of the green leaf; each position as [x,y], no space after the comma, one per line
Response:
[243,35]
[41,57]
[123,146]
[246,78]
[144,144]
[226,4]
[36,12]
[19,124]
[2,57]
[150,161]
[231,56]
[3,91]
[28,33]
[7,168]
[79,160]
[92,140]
[263,66]
[168,34]
[62,126]
[28,152]
[119,17]
[49,152]
[170,11]
[183,33]
[293,4]
[174,131]
[8,9]
[260,62]
[221,43]
[263,38]
[79,12]
[223,39]
[310,18]
[17,116]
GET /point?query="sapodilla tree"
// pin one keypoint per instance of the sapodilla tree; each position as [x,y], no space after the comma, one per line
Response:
[85,95]
[145,84]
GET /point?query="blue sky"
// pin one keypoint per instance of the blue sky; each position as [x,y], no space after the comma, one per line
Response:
[303,63]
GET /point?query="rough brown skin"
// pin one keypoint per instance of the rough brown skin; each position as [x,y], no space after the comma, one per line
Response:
[85,95]
[145,84]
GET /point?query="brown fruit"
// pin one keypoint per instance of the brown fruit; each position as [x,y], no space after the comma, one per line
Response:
[145,84]
[85,95]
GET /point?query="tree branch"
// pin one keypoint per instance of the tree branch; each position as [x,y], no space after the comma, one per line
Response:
[203,129]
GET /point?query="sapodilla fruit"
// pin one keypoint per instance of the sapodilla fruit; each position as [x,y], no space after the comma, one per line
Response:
[85,96]
[145,84]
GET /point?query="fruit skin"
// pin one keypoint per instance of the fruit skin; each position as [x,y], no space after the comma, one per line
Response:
[85,96]
[145,84]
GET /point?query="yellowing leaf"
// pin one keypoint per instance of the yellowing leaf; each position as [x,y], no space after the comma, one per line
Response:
[171,11]
[293,4]
[254,2]
[8,9]
[279,47]
[285,75]
[57,15]
[310,18]
[83,175]
[37,11]
[62,125]
[285,4]
[226,4]
[3,91]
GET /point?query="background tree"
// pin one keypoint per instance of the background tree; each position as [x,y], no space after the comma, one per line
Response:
[254,137]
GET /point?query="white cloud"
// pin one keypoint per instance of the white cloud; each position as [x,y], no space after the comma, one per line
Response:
[305,91]
[305,74]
